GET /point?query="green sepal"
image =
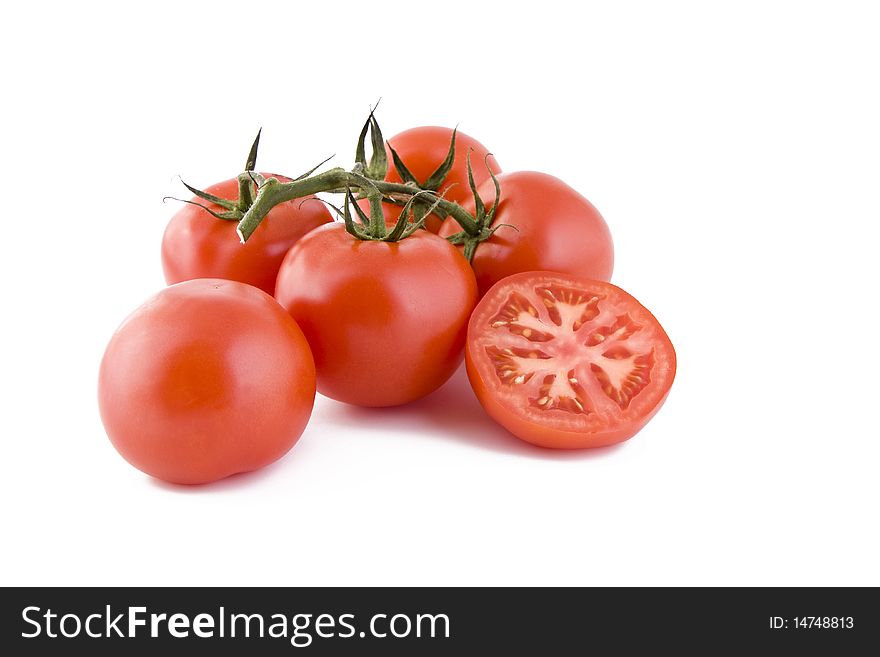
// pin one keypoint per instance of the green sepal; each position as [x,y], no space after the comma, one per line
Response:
[222,202]
[484,218]
[332,206]
[360,155]
[405,174]
[362,216]
[399,229]
[418,222]
[419,212]
[352,228]
[378,165]
[458,238]
[434,206]
[231,215]
[490,217]
[436,179]
[479,207]
[251,163]
[314,168]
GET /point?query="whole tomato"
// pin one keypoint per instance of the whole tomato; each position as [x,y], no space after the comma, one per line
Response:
[208,378]
[422,150]
[386,321]
[199,245]
[550,227]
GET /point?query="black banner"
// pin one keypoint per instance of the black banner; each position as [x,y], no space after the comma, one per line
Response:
[418,621]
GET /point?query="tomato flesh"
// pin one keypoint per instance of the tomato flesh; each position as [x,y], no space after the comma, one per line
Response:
[567,362]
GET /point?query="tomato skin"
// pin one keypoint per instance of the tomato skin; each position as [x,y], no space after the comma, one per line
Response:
[386,321]
[556,229]
[198,245]
[206,379]
[515,410]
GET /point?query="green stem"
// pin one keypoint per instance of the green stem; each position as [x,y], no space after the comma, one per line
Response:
[469,247]
[274,192]
[338,179]
[462,216]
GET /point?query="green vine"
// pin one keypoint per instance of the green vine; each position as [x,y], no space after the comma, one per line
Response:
[365,180]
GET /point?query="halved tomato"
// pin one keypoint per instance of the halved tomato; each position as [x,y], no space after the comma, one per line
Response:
[567,362]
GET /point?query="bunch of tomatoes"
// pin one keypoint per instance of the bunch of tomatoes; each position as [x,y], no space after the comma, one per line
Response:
[435,256]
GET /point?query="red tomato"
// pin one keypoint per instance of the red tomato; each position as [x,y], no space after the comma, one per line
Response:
[567,362]
[555,229]
[422,150]
[386,320]
[198,245]
[208,378]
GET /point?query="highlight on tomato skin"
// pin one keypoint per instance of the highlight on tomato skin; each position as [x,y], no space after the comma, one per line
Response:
[566,362]
[206,379]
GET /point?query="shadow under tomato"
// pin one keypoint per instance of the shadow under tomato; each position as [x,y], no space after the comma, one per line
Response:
[232,482]
[453,413]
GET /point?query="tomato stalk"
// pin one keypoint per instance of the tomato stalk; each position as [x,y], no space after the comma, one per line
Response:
[338,180]
[366,179]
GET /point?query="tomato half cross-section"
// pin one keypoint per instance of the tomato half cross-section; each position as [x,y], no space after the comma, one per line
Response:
[208,378]
[567,362]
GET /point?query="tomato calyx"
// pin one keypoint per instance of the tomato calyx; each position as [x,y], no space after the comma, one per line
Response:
[232,212]
[471,236]
[372,227]
[250,185]
[233,209]
[433,182]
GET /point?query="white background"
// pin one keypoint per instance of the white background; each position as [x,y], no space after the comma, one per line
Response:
[734,149]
